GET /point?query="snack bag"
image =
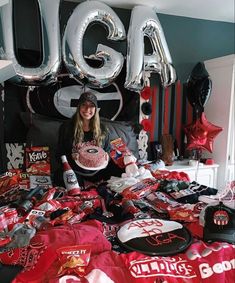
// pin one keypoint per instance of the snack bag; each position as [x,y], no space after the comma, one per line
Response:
[9,187]
[74,259]
[40,181]
[118,150]
[37,160]
[141,189]
[24,181]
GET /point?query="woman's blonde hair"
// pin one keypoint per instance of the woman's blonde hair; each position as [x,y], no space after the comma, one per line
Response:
[95,128]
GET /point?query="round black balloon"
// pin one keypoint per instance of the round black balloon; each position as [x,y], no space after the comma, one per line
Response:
[146,108]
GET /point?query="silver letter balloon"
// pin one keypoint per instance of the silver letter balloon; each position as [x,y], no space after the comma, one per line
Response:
[51,44]
[144,22]
[72,49]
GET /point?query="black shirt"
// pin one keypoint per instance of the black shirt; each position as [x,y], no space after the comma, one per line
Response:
[66,145]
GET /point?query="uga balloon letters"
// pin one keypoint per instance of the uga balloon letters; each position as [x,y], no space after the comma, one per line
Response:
[144,22]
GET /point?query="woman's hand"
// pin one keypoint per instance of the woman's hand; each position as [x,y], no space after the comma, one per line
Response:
[75,156]
[107,156]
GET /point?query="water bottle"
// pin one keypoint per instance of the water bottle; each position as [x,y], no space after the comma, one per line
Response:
[70,179]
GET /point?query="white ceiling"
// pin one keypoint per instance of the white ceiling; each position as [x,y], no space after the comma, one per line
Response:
[215,10]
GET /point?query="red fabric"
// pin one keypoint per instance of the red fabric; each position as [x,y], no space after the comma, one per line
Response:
[106,267]
[41,254]
[213,262]
[171,175]
[171,269]
[195,228]
[200,263]
[14,257]
[154,114]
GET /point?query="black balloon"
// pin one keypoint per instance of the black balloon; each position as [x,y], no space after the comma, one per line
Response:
[203,88]
[199,87]
[199,71]
[146,108]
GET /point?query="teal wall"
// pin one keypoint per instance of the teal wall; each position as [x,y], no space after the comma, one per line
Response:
[192,40]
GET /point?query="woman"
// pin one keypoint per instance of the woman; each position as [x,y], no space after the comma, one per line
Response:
[84,128]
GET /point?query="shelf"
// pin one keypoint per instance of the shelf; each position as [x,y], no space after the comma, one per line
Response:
[178,165]
[6,70]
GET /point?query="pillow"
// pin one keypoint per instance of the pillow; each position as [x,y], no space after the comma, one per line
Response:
[43,131]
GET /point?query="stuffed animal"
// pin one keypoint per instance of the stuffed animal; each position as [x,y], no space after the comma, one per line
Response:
[131,167]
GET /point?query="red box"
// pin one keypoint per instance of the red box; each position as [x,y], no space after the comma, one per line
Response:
[37,160]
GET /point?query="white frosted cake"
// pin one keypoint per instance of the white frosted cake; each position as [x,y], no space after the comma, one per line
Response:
[92,156]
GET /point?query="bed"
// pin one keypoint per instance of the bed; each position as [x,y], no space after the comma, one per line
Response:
[144,229]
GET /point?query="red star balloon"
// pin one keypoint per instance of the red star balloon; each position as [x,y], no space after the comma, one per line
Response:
[201,134]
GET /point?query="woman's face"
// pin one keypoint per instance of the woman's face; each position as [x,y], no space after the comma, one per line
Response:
[87,110]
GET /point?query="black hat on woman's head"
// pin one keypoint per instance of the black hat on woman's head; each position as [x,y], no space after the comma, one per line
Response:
[88,96]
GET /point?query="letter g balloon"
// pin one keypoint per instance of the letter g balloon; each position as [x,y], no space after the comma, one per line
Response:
[85,14]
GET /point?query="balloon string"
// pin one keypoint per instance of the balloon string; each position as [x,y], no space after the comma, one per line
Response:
[197,169]
[198,154]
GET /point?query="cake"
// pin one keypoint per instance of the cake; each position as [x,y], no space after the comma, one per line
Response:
[92,156]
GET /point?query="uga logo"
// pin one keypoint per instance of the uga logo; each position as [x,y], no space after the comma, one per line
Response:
[62,101]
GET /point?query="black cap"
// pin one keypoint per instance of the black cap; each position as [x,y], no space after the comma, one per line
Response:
[88,96]
[219,224]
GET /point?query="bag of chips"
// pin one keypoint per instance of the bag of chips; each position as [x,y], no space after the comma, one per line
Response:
[74,259]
